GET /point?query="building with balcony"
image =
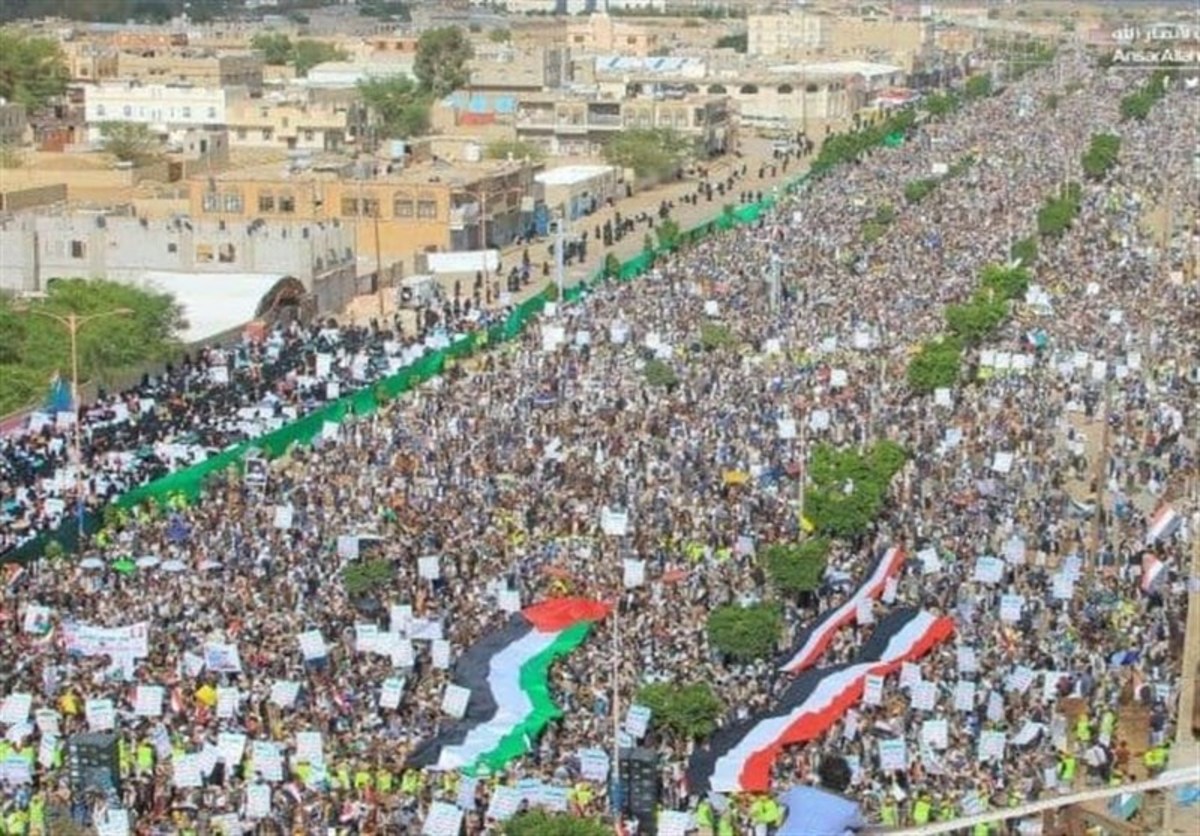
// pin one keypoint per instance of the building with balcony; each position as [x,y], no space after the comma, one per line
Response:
[168,109]
[200,68]
[580,126]
[397,212]
[295,122]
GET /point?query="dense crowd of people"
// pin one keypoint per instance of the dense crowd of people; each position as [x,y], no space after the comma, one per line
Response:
[503,466]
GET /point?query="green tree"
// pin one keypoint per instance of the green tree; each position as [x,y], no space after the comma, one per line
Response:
[276,48]
[365,577]
[612,266]
[940,105]
[936,365]
[714,335]
[978,319]
[36,347]
[1007,282]
[541,823]
[797,567]
[1101,155]
[650,152]
[441,63]
[517,149]
[849,488]
[917,190]
[1057,214]
[309,53]
[668,234]
[658,373]
[129,141]
[744,633]
[400,107]
[1025,251]
[978,87]
[686,711]
[738,42]
[32,69]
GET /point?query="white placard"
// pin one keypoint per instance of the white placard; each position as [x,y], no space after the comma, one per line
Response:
[873,690]
[1020,679]
[995,707]
[268,761]
[964,696]
[787,428]
[101,715]
[391,692]
[819,419]
[890,587]
[893,755]
[284,693]
[509,600]
[552,337]
[637,721]
[504,803]
[838,379]
[367,638]
[1010,608]
[991,746]
[712,308]
[429,567]
[227,702]
[988,570]
[222,658]
[935,734]
[930,562]
[1014,551]
[186,771]
[674,823]
[942,397]
[15,708]
[593,764]
[634,573]
[924,696]
[614,523]
[1002,462]
[284,515]
[312,645]
[454,700]
[910,674]
[231,746]
[148,701]
[443,820]
[439,651]
[258,801]
[864,611]
[310,748]
[967,660]
[1062,587]
[467,787]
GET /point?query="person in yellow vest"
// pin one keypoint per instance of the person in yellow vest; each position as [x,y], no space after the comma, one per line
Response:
[124,757]
[362,780]
[342,778]
[383,781]
[1066,768]
[946,810]
[1083,728]
[922,809]
[17,822]
[410,783]
[889,813]
[725,826]
[1108,724]
[145,759]
[704,818]
[37,815]
[1155,760]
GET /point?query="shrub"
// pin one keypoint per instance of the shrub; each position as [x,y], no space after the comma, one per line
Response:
[1101,155]
[797,567]
[714,335]
[687,711]
[978,87]
[658,373]
[936,365]
[885,214]
[366,576]
[977,319]
[744,633]
[1007,282]
[916,190]
[872,231]
[612,266]
[1025,251]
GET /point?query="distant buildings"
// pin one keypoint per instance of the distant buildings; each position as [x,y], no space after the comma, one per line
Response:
[14,123]
[167,109]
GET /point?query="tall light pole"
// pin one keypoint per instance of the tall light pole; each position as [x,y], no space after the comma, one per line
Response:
[73,322]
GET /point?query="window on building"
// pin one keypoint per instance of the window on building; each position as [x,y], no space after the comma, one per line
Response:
[266,133]
[349,207]
[308,136]
[211,202]
[578,39]
[78,249]
[99,110]
[172,247]
[266,203]
[427,209]
[286,122]
[226,254]
[187,113]
[212,113]
[233,202]
[204,253]
[241,133]
[127,111]
[631,40]
[402,206]
[287,204]
[370,207]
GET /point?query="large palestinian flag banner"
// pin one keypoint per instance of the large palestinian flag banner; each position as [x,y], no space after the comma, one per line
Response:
[507,674]
[739,758]
[814,640]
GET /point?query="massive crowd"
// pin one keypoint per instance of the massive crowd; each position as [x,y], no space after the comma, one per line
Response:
[502,469]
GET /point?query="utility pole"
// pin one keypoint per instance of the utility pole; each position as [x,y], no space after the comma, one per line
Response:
[560,256]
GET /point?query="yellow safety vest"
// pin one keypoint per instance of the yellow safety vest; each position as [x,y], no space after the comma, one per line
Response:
[921,811]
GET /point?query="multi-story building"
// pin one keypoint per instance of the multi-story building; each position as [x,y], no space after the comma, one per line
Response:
[600,33]
[121,247]
[14,123]
[295,122]
[167,108]
[805,36]
[202,68]
[580,126]
[397,212]
[507,69]
[90,62]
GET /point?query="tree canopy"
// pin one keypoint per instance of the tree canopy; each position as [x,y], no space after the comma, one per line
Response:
[35,348]
[936,365]
[278,50]
[744,633]
[32,70]
[797,567]
[441,63]
[848,488]
[130,142]
[685,710]
[400,107]
[650,152]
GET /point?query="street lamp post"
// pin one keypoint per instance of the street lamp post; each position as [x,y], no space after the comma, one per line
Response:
[73,322]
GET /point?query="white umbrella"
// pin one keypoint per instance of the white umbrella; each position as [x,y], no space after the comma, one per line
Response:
[91,563]
[148,561]
[173,566]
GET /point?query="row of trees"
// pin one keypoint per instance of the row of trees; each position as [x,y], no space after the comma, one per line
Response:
[33,349]
[1138,105]
[938,362]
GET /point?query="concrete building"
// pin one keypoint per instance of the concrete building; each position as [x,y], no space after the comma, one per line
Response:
[200,68]
[509,69]
[14,124]
[808,36]
[580,188]
[351,73]
[105,245]
[601,33]
[295,121]
[396,214]
[169,109]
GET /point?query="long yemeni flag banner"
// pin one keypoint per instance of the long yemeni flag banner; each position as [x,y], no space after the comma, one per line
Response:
[739,758]
[507,674]
[815,639]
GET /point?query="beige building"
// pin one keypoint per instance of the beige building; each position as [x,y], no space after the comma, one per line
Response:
[397,212]
[805,36]
[190,66]
[596,33]
[291,122]
[90,62]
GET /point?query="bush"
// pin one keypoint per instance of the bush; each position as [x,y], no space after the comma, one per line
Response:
[978,87]
[744,633]
[541,823]
[714,336]
[687,711]
[1025,251]
[658,373]
[872,231]
[612,266]
[797,567]
[1101,155]
[885,214]
[916,190]
[668,235]
[936,365]
[1058,213]
[941,105]
[978,319]
[849,488]
[1007,282]
[366,576]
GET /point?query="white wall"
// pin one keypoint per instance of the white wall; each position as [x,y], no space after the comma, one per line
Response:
[166,108]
